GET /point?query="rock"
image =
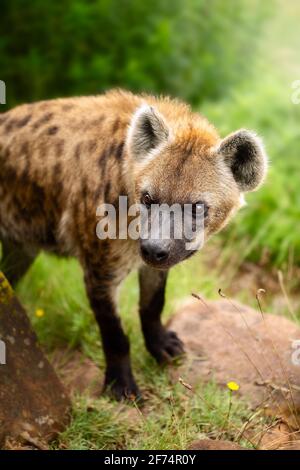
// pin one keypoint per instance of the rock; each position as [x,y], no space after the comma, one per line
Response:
[293,445]
[210,444]
[228,341]
[79,374]
[34,406]
[277,437]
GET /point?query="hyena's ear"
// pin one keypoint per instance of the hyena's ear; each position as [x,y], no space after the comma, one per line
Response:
[244,153]
[146,132]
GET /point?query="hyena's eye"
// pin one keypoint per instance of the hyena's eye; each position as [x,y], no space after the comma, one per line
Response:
[200,208]
[147,200]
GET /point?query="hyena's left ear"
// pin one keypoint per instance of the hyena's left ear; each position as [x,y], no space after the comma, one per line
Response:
[244,153]
[147,131]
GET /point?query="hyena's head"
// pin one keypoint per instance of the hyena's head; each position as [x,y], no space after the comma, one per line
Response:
[184,162]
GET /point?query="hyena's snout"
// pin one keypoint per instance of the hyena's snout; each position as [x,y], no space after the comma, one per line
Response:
[155,252]
[163,238]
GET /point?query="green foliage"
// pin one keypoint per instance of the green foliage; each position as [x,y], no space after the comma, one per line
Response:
[269,225]
[188,48]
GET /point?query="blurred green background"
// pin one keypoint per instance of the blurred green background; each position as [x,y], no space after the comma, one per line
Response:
[195,49]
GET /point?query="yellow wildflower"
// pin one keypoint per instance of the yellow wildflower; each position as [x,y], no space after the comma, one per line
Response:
[39,312]
[233,386]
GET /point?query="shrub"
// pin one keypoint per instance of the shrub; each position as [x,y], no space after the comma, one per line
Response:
[188,48]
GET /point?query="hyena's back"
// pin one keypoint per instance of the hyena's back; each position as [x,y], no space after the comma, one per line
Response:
[59,159]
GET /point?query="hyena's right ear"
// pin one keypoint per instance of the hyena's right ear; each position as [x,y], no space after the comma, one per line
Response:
[147,131]
[244,153]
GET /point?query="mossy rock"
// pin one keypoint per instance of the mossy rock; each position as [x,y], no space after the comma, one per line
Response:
[33,402]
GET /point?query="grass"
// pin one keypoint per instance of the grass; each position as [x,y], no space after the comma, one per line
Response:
[266,233]
[173,420]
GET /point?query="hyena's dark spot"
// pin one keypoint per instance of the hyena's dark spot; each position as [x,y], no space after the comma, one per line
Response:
[116,125]
[119,151]
[77,150]
[10,125]
[67,107]
[108,277]
[25,120]
[57,189]
[2,120]
[43,120]
[37,199]
[52,130]
[96,122]
[112,148]
[92,145]
[43,105]
[57,177]
[102,159]
[95,243]
[115,259]
[84,188]
[24,179]
[6,153]
[93,249]
[107,191]
[15,201]
[59,147]
[31,200]
[98,193]
[122,191]
[8,176]
[57,170]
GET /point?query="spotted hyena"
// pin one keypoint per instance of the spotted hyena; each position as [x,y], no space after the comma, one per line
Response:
[60,159]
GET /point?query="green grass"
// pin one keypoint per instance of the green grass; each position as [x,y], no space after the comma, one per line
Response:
[99,427]
[172,420]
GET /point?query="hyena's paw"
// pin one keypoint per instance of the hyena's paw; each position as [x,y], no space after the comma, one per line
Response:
[122,386]
[165,346]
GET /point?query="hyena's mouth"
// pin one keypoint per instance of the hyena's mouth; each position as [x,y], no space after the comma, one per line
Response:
[159,267]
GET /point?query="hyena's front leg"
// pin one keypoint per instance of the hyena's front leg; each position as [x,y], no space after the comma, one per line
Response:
[163,344]
[119,379]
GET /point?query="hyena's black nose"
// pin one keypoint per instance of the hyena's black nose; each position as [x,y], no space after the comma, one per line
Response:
[154,252]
